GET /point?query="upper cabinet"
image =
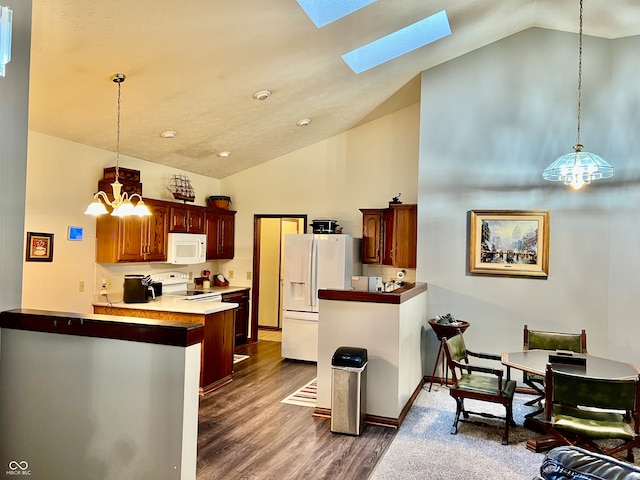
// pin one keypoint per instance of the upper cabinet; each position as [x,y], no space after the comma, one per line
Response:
[389,235]
[133,239]
[220,234]
[187,219]
[144,239]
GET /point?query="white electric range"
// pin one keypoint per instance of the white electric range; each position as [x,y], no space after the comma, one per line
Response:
[176,283]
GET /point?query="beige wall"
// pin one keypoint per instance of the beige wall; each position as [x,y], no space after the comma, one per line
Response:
[363,167]
[62,177]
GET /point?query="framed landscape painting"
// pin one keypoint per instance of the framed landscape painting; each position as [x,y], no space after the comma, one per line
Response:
[511,243]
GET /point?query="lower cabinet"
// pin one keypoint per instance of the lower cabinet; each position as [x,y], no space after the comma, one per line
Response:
[216,364]
[242,314]
[217,351]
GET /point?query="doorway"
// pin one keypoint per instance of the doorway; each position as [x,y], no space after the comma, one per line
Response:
[268,244]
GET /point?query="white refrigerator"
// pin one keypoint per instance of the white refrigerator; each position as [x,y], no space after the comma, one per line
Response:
[312,262]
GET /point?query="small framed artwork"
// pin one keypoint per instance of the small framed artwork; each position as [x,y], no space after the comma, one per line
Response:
[511,243]
[39,247]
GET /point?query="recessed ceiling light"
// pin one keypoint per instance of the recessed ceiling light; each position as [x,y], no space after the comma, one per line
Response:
[303,122]
[262,95]
[168,134]
[224,154]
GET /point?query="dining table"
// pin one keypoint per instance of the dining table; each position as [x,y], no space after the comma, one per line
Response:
[535,362]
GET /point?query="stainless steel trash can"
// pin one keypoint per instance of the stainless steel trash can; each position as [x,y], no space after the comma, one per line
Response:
[348,390]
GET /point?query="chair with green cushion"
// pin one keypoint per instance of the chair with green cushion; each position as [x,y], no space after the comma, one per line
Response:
[478,383]
[542,340]
[581,410]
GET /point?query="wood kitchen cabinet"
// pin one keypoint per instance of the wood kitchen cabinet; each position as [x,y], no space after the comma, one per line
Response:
[389,235]
[371,235]
[217,345]
[220,234]
[241,314]
[133,239]
[187,219]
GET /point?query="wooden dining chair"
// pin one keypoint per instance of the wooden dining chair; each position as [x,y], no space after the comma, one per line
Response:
[544,340]
[478,383]
[581,410]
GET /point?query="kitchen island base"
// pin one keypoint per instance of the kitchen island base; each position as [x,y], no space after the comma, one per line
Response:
[217,345]
[391,327]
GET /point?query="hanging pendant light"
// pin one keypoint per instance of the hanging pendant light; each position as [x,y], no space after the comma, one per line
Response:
[578,168]
[121,203]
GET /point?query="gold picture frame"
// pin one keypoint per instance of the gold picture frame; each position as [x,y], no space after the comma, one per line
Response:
[39,247]
[513,243]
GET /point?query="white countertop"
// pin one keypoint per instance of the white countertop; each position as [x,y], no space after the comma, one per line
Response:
[168,303]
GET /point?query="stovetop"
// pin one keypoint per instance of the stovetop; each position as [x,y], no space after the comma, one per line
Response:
[175,284]
[196,295]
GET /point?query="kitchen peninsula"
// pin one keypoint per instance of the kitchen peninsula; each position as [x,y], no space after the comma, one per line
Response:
[86,395]
[216,316]
[391,326]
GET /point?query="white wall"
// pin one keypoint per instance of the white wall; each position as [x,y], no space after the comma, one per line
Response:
[491,121]
[62,177]
[14,94]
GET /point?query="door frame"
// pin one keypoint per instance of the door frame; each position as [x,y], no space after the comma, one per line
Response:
[255,282]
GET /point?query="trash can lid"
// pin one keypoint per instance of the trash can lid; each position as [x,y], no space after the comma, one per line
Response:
[349,357]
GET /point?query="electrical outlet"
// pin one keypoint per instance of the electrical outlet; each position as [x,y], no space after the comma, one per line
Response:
[81,286]
[190,275]
[230,274]
[248,275]
[110,284]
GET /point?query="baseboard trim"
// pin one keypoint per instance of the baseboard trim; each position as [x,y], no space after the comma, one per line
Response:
[387,422]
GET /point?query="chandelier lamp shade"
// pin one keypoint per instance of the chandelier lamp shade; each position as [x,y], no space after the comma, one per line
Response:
[6,17]
[578,168]
[121,204]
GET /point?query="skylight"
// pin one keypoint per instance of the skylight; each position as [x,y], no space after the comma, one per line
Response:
[398,43]
[323,12]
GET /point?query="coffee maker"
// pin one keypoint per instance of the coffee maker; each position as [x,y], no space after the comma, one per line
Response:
[138,289]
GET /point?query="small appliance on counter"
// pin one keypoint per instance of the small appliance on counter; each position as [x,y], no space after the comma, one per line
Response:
[139,289]
[323,225]
[366,284]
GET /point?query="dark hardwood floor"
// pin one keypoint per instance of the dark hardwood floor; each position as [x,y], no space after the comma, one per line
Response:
[246,433]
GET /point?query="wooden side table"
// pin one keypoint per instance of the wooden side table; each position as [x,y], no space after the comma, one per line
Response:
[444,331]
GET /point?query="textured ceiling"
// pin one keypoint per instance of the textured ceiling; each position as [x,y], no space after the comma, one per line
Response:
[194,66]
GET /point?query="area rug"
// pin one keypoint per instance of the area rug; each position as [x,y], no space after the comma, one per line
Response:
[424,447]
[305,396]
[239,358]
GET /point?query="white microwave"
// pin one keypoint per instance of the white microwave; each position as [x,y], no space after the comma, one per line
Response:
[186,248]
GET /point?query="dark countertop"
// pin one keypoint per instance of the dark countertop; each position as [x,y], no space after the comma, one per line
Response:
[104,326]
[398,296]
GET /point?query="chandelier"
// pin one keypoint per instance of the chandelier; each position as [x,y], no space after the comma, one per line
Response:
[121,203]
[578,168]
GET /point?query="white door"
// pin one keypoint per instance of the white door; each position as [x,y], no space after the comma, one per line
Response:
[300,336]
[298,257]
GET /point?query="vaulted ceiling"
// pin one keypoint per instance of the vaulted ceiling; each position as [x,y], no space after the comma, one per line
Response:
[194,66]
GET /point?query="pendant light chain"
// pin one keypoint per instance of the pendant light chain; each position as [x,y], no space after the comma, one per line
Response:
[579,76]
[119,82]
